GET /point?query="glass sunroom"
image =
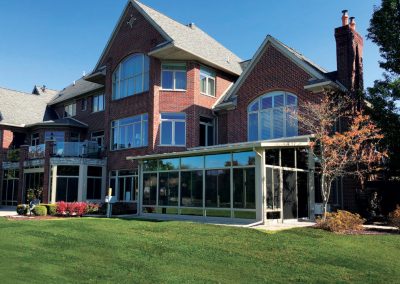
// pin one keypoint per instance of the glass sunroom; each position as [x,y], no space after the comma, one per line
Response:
[247,182]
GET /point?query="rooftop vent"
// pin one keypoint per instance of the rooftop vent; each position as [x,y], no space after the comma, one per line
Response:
[191,25]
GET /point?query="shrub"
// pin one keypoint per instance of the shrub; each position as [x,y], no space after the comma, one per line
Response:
[394,217]
[61,208]
[40,210]
[22,209]
[80,208]
[51,209]
[341,221]
[71,208]
[92,208]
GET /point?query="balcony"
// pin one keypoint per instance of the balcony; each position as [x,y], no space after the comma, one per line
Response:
[88,149]
[36,152]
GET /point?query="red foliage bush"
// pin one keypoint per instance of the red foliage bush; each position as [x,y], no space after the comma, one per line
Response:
[61,208]
[71,208]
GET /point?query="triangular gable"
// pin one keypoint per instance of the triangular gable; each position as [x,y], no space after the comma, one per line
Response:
[120,22]
[313,70]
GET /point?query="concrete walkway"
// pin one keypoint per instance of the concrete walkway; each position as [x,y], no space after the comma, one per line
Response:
[277,226]
[7,211]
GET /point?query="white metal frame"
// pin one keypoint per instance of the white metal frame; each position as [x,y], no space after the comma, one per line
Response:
[270,112]
[173,75]
[208,78]
[173,121]
[143,141]
[145,71]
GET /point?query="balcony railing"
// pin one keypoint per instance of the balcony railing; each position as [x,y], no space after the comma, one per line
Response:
[36,152]
[88,149]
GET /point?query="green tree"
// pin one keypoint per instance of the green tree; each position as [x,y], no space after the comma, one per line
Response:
[384,96]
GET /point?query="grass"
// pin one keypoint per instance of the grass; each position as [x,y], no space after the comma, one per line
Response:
[130,251]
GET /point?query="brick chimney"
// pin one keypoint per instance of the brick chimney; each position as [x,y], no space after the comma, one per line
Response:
[349,54]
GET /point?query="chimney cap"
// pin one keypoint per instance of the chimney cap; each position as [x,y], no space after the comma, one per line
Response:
[345,11]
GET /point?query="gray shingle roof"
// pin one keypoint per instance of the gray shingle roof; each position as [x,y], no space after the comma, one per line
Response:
[19,108]
[65,121]
[193,40]
[74,90]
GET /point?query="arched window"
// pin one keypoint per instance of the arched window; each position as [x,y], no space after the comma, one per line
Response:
[271,116]
[131,76]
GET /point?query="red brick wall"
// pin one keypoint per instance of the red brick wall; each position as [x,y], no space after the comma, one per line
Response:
[273,72]
[349,53]
[7,139]
[141,39]
[95,120]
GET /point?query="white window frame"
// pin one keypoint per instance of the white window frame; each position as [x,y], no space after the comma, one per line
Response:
[284,108]
[143,121]
[70,109]
[208,77]
[145,71]
[36,139]
[183,64]
[173,142]
[96,102]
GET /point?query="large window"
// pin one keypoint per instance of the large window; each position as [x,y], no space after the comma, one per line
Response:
[207,82]
[272,116]
[129,132]
[98,103]
[125,185]
[174,76]
[173,129]
[218,185]
[67,183]
[131,76]
[94,178]
[9,194]
[70,110]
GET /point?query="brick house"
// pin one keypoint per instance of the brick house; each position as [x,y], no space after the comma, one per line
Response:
[177,124]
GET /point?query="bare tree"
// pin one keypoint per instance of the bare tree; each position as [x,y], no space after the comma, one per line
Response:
[344,140]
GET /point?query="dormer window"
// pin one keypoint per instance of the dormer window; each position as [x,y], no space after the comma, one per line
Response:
[131,76]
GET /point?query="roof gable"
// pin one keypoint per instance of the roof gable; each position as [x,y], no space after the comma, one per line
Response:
[19,108]
[190,39]
[304,63]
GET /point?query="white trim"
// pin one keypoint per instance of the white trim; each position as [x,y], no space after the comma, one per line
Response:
[173,121]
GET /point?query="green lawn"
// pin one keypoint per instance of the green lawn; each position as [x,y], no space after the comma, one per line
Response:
[130,251]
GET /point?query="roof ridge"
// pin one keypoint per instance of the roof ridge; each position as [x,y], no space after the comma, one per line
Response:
[148,7]
[22,92]
[300,55]
[186,26]
[39,86]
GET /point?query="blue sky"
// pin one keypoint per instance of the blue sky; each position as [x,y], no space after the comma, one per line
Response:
[52,42]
